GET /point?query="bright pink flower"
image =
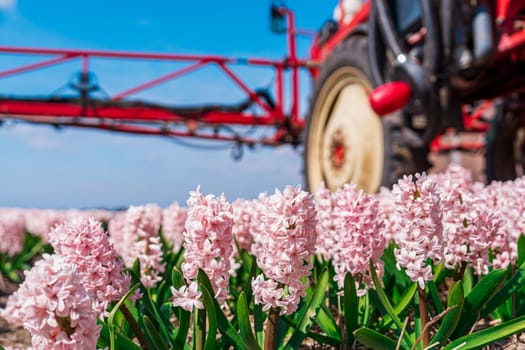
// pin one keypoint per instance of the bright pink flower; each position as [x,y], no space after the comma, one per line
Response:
[174,219]
[84,243]
[208,241]
[187,297]
[359,236]
[286,246]
[420,235]
[56,309]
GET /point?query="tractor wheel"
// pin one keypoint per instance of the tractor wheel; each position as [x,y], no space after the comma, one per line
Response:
[505,146]
[346,141]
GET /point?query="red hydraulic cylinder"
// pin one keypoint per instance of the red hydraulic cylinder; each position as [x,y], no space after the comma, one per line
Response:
[390,97]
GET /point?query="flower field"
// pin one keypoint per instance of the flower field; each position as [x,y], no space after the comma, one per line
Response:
[436,262]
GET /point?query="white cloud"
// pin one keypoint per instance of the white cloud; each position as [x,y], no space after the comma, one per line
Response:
[7,5]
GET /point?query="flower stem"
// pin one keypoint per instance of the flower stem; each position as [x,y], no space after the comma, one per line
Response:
[135,327]
[270,332]
[423,314]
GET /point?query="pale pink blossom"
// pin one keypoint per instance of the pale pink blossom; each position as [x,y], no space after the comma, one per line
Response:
[56,309]
[387,211]
[256,225]
[40,221]
[420,235]
[187,297]
[359,236]
[140,240]
[208,241]
[505,199]
[84,243]
[469,226]
[12,231]
[268,293]
[173,221]
[286,246]
[243,212]
[327,239]
[116,232]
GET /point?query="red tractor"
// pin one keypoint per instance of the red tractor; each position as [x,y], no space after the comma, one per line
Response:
[396,75]
[390,78]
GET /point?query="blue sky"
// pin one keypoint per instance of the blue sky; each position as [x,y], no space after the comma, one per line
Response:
[42,167]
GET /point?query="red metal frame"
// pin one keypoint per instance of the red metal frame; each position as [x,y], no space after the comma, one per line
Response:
[163,121]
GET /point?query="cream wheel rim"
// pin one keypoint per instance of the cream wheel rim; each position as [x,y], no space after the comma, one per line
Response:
[345,142]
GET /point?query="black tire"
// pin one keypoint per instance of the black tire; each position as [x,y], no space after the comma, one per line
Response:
[385,159]
[505,148]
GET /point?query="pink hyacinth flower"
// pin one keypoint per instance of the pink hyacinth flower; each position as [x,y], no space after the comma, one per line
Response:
[56,309]
[173,221]
[208,241]
[420,235]
[360,237]
[285,248]
[84,243]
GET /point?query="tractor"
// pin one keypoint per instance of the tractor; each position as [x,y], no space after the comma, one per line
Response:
[395,76]
[391,79]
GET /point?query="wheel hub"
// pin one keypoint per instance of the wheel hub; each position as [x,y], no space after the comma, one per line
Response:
[338,150]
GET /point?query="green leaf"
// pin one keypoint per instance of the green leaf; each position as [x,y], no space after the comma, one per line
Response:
[350,307]
[374,340]
[386,303]
[309,317]
[434,295]
[245,327]
[224,325]
[488,336]
[468,281]
[153,335]
[509,288]
[326,322]
[184,326]
[177,279]
[404,301]
[450,321]
[135,271]
[400,278]
[123,342]
[258,323]
[521,250]
[111,317]
[482,292]
[320,338]
[152,311]
[212,319]
[364,306]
